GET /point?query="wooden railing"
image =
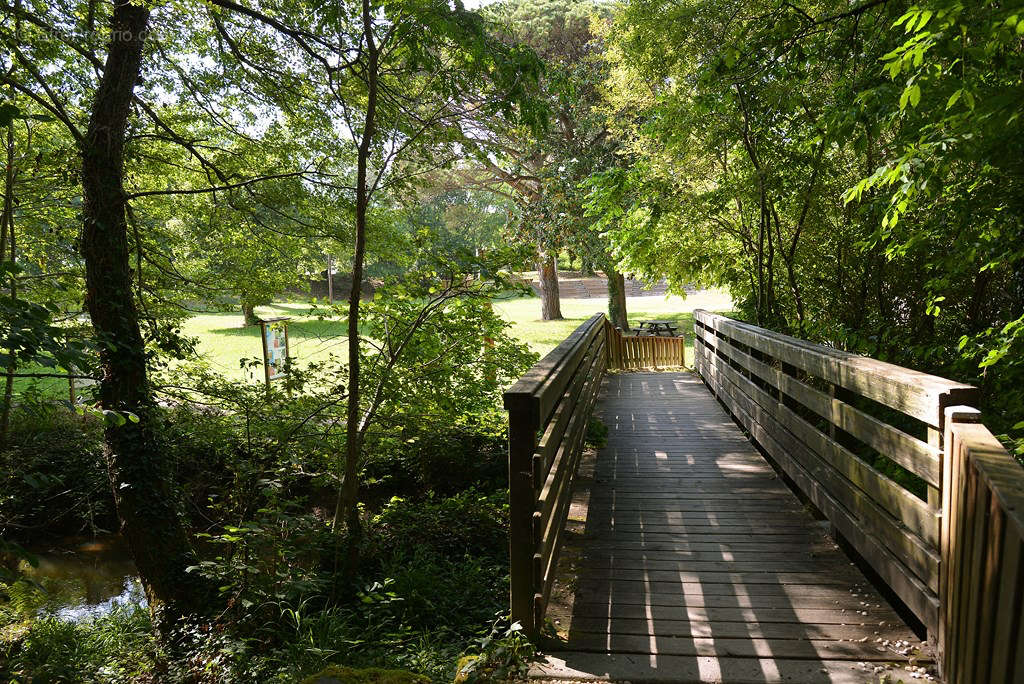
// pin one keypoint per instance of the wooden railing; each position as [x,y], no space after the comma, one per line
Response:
[981,597]
[549,409]
[826,416]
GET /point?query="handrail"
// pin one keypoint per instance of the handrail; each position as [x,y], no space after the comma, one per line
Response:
[817,411]
[549,408]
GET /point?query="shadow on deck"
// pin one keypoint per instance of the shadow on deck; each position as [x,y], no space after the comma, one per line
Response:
[697,564]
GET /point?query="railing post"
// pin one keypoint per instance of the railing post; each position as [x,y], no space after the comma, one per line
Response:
[522,442]
[953,477]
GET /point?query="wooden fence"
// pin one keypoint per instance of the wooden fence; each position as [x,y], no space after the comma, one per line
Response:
[631,352]
[832,421]
[549,409]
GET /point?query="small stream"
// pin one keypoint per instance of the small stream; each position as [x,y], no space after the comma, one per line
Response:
[85,578]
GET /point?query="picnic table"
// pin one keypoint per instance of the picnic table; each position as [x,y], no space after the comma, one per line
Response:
[657,328]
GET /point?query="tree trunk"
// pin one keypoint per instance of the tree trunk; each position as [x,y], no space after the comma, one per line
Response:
[547,273]
[617,298]
[249,313]
[348,501]
[139,472]
[330,280]
[586,265]
[7,221]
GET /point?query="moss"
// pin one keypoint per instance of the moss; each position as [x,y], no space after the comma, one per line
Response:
[461,673]
[336,674]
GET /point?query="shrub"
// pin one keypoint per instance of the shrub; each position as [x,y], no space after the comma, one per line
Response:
[469,523]
[116,648]
[53,477]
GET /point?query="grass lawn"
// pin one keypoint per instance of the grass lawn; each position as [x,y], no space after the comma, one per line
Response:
[223,340]
[543,336]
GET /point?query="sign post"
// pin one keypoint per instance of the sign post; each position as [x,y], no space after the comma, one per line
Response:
[274,333]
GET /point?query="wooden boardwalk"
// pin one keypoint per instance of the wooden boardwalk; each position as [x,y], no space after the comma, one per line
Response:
[698,564]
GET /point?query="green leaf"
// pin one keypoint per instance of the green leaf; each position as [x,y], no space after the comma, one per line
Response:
[8,113]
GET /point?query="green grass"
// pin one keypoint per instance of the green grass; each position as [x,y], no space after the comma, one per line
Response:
[223,340]
[543,336]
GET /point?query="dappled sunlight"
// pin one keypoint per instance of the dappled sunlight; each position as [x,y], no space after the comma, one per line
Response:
[698,564]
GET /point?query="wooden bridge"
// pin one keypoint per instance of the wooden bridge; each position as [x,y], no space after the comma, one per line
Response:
[710,518]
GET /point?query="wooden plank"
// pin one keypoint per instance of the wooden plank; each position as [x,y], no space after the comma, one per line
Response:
[917,394]
[558,477]
[522,431]
[914,454]
[537,391]
[691,541]
[980,601]
[555,430]
[903,581]
[985,614]
[748,646]
[1003,476]
[591,667]
[914,552]
[548,556]
[791,614]
[744,629]
[1010,607]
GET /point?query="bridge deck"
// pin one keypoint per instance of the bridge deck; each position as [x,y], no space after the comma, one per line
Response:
[698,564]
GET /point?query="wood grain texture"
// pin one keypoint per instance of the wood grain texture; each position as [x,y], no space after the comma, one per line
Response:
[696,559]
[982,589]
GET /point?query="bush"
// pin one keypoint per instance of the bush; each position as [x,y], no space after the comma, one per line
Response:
[470,523]
[431,458]
[53,477]
[116,648]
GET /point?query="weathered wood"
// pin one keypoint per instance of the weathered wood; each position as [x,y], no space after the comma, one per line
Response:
[677,561]
[858,507]
[552,437]
[522,439]
[631,352]
[542,386]
[554,398]
[708,667]
[982,588]
[688,528]
[863,504]
[890,567]
[917,394]
[914,454]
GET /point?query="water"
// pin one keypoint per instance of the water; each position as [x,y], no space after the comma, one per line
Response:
[85,579]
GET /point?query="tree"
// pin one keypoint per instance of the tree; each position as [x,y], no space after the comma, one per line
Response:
[58,69]
[401,95]
[820,160]
[539,171]
[139,478]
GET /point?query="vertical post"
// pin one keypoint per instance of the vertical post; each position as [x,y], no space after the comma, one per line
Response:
[330,279]
[934,440]
[522,441]
[937,438]
[845,395]
[266,355]
[951,499]
[71,388]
